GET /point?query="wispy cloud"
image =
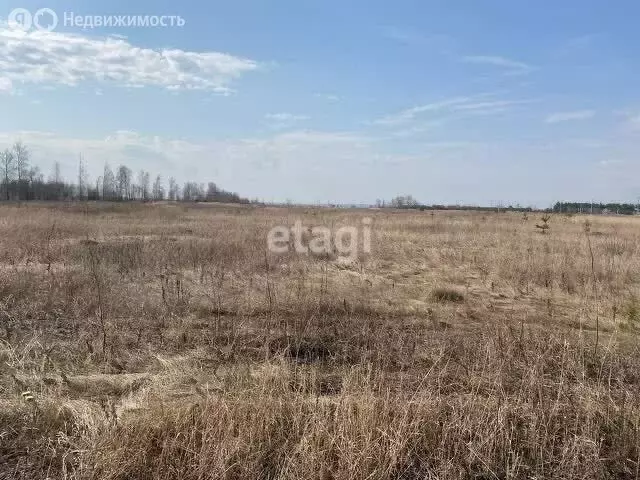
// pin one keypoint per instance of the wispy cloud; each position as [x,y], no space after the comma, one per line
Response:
[559,117]
[633,121]
[53,58]
[6,85]
[629,118]
[612,162]
[284,120]
[411,113]
[418,129]
[491,106]
[330,97]
[285,117]
[458,106]
[510,67]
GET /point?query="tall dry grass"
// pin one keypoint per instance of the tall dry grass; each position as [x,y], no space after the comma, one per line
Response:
[162,342]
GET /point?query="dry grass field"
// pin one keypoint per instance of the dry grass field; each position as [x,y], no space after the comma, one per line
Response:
[166,342]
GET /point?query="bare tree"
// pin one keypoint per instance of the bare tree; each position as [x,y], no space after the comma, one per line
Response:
[143,184]
[123,179]
[173,189]
[36,180]
[57,181]
[7,161]
[56,176]
[21,154]
[193,192]
[403,201]
[82,180]
[108,183]
[158,189]
[20,181]
[212,192]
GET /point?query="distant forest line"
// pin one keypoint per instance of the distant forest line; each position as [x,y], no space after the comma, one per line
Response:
[408,201]
[558,207]
[20,180]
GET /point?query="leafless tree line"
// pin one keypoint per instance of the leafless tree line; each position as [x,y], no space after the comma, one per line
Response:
[20,180]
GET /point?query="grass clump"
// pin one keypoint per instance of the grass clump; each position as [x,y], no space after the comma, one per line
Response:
[447,295]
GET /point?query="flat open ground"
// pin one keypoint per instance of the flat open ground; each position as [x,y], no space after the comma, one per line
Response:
[166,342]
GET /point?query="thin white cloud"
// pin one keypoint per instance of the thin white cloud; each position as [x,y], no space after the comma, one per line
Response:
[633,121]
[306,137]
[559,117]
[630,119]
[330,97]
[609,163]
[459,106]
[53,58]
[491,105]
[411,113]
[284,120]
[285,117]
[418,129]
[511,67]
[6,85]
[490,108]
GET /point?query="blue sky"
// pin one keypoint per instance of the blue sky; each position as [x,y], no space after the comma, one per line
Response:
[479,102]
